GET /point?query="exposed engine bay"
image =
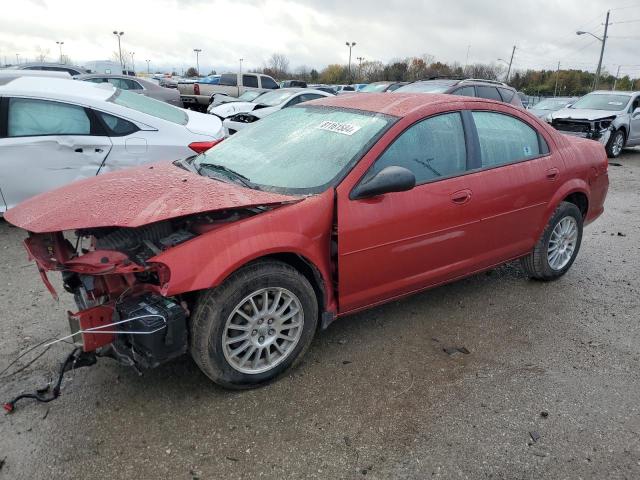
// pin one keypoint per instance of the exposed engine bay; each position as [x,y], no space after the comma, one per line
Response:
[120,290]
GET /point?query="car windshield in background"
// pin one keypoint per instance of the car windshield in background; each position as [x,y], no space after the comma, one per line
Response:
[278,97]
[374,87]
[152,107]
[314,145]
[425,87]
[597,101]
[550,104]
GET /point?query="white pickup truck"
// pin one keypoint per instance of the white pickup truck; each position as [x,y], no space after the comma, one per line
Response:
[197,96]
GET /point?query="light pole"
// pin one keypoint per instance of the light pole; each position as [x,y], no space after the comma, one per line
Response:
[148,61]
[350,45]
[506,80]
[197,50]
[360,60]
[18,58]
[133,64]
[119,35]
[241,60]
[60,46]
[603,41]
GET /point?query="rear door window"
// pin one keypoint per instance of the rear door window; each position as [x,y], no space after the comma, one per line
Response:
[31,117]
[268,83]
[229,80]
[505,139]
[507,95]
[432,149]
[467,91]
[117,126]
[488,92]
[250,81]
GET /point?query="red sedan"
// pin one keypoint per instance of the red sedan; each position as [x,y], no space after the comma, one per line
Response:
[240,254]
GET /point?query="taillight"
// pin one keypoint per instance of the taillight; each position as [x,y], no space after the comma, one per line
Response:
[196,89]
[201,147]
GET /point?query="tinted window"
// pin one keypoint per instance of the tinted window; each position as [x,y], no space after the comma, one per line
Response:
[96,80]
[507,94]
[132,84]
[268,83]
[488,92]
[432,149]
[229,80]
[250,81]
[307,97]
[504,139]
[29,117]
[117,125]
[294,101]
[465,92]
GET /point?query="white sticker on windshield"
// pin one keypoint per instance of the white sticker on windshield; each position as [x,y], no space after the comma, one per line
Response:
[337,127]
[618,104]
[527,150]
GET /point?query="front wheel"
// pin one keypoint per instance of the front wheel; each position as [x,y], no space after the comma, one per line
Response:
[558,246]
[254,326]
[615,144]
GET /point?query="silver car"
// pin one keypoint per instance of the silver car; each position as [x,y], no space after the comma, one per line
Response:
[135,85]
[612,118]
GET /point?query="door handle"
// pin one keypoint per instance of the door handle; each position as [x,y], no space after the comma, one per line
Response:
[78,150]
[552,174]
[461,197]
[98,150]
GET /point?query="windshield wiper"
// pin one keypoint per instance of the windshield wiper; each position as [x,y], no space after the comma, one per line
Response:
[187,164]
[229,173]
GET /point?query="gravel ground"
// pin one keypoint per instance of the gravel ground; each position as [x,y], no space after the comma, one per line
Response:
[549,388]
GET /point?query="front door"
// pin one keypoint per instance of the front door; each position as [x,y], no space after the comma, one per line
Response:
[45,145]
[397,243]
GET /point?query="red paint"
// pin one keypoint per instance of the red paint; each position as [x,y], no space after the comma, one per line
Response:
[387,247]
[95,317]
[133,197]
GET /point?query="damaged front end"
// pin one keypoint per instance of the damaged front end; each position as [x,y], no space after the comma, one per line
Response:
[598,129]
[119,286]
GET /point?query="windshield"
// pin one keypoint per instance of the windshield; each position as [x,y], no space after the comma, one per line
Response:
[598,101]
[551,104]
[152,107]
[374,87]
[297,150]
[249,95]
[277,97]
[425,87]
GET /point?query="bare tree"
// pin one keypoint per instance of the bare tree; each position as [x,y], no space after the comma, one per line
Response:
[42,55]
[278,65]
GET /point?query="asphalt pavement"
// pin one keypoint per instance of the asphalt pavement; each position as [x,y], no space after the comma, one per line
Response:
[495,376]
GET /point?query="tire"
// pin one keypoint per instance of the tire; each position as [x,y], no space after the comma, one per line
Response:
[541,264]
[216,322]
[615,144]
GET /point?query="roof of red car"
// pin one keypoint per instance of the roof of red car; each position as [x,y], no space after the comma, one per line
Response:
[396,104]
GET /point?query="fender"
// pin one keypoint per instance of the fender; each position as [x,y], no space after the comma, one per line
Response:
[302,229]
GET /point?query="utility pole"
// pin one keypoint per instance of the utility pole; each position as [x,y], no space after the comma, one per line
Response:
[510,63]
[555,90]
[604,41]
[197,50]
[350,45]
[18,58]
[360,60]
[615,82]
[241,65]
[60,45]
[119,35]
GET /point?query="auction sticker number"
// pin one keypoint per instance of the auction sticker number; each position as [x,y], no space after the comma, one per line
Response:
[338,127]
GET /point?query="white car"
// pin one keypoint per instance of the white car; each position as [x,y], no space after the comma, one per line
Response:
[266,104]
[55,131]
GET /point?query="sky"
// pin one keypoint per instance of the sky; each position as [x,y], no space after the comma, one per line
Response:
[313,33]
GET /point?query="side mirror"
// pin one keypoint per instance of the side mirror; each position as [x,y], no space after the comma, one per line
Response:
[636,113]
[389,179]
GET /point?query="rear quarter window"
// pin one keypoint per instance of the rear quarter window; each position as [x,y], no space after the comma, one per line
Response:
[152,107]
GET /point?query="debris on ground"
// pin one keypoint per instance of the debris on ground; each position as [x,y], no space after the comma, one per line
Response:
[615,164]
[346,362]
[452,351]
[535,436]
[620,234]
[544,414]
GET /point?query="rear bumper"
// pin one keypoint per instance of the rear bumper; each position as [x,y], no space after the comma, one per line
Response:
[195,99]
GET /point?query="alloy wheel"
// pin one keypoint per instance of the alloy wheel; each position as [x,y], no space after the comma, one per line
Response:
[562,243]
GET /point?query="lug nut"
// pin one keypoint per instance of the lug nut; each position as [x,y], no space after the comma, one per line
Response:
[260,321]
[261,339]
[272,331]
[255,332]
[270,321]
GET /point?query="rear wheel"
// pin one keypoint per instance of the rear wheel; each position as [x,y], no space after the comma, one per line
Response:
[615,144]
[255,325]
[558,246]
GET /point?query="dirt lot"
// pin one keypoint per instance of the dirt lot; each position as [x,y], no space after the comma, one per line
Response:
[376,396]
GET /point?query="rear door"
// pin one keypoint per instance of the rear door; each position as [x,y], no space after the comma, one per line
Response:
[634,130]
[45,145]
